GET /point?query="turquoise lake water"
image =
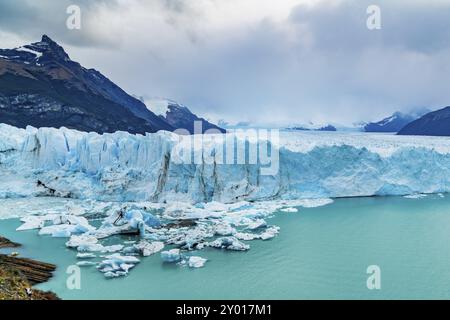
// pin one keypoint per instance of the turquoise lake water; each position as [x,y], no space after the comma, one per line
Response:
[320,253]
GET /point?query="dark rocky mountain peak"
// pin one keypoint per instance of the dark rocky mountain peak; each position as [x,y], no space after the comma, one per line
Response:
[42,87]
[180,117]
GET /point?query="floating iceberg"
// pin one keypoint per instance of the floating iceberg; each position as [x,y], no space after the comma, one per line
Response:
[289,210]
[269,233]
[81,240]
[65,230]
[246,236]
[415,196]
[149,248]
[171,255]
[85,263]
[224,229]
[59,226]
[87,255]
[257,224]
[229,243]
[196,262]
[116,265]
[31,222]
[86,243]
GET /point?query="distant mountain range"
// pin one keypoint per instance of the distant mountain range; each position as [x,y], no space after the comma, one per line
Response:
[42,87]
[395,122]
[436,123]
[328,127]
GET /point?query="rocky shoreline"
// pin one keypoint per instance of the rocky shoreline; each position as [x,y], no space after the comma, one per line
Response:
[18,275]
[5,243]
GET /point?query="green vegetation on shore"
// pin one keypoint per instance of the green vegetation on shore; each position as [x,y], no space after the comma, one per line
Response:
[15,286]
[18,275]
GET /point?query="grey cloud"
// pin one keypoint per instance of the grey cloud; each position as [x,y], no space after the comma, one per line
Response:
[415,25]
[321,63]
[31,19]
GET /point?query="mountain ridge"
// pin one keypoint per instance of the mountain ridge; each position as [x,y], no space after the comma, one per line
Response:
[436,123]
[181,117]
[395,122]
[41,86]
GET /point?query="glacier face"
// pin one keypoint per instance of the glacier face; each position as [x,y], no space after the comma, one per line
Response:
[125,167]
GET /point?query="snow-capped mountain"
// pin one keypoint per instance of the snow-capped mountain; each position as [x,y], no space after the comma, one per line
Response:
[41,86]
[394,123]
[435,123]
[178,115]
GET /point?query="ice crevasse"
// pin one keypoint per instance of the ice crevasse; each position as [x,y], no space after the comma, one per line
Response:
[126,167]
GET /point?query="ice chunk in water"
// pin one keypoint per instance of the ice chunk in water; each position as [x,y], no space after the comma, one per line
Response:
[196,262]
[116,265]
[229,243]
[148,248]
[85,263]
[87,255]
[171,255]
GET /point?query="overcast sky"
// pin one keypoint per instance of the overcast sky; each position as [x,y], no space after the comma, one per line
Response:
[286,61]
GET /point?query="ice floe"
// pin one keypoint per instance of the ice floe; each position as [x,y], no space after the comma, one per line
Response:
[289,210]
[415,196]
[149,248]
[196,262]
[116,265]
[86,263]
[86,255]
[171,256]
[229,243]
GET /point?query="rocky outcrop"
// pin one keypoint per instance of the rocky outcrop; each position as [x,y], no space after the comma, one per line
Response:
[181,117]
[34,271]
[6,243]
[15,286]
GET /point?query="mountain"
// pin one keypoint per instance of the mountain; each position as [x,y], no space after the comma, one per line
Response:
[42,87]
[435,123]
[390,124]
[311,126]
[179,116]
[393,123]
[328,127]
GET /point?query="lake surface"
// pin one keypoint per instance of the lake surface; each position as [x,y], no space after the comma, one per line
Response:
[320,253]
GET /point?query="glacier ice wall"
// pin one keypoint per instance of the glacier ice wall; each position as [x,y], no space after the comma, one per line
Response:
[125,167]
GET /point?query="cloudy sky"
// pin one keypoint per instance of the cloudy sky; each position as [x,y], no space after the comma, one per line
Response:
[284,61]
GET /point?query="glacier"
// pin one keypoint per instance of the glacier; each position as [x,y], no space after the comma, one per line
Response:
[59,181]
[125,167]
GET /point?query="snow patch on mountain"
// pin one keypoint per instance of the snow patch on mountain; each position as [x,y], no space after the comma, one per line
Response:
[34,52]
[158,106]
[395,122]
